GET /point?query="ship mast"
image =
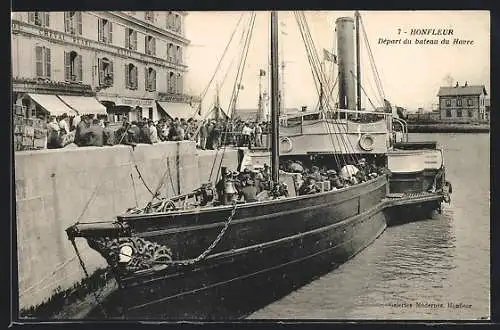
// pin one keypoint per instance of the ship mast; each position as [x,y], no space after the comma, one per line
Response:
[358,61]
[274,98]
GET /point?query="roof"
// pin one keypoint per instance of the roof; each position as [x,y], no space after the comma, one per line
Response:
[462,90]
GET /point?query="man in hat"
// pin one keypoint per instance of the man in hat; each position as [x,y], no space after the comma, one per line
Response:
[315,174]
[249,191]
[334,179]
[309,186]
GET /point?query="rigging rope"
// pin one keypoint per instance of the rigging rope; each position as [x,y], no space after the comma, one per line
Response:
[234,95]
[320,75]
[372,59]
[223,55]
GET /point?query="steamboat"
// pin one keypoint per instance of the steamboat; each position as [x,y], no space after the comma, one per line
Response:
[208,256]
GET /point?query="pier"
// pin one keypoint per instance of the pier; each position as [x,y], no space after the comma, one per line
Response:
[55,188]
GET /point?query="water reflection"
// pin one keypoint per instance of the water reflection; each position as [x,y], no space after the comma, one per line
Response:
[437,261]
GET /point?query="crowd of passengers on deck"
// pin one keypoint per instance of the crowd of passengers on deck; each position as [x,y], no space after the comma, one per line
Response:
[256,185]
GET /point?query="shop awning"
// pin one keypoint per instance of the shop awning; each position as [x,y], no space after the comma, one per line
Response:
[52,104]
[84,104]
[178,110]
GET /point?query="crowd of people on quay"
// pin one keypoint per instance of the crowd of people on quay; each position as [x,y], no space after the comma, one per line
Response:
[91,130]
[256,185]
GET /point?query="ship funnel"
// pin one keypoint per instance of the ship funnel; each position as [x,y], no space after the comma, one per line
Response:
[345,51]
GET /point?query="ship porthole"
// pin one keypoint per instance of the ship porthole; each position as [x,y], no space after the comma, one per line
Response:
[286,144]
[367,142]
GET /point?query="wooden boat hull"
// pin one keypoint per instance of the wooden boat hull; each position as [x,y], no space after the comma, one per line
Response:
[266,253]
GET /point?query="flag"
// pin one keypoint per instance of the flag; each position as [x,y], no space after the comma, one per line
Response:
[329,56]
[262,73]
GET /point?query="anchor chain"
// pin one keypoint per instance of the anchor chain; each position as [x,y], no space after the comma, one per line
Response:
[205,253]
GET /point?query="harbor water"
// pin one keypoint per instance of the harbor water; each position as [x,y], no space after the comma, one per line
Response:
[435,269]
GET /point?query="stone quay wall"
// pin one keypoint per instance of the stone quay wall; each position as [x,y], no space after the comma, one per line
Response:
[55,188]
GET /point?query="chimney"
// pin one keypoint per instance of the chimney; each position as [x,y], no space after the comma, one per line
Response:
[304,108]
[465,84]
[456,84]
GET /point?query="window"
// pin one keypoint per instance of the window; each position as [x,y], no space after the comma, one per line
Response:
[73,22]
[448,113]
[150,79]
[448,103]
[42,62]
[179,84]
[459,112]
[470,102]
[150,45]
[131,39]
[177,23]
[170,20]
[149,16]
[178,58]
[150,113]
[105,30]
[171,83]
[39,18]
[469,113]
[459,103]
[170,52]
[73,66]
[105,72]
[130,76]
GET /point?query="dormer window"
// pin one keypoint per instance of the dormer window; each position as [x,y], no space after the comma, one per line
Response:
[73,22]
[149,16]
[105,31]
[39,18]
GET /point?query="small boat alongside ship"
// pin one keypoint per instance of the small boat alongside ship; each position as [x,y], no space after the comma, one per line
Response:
[194,257]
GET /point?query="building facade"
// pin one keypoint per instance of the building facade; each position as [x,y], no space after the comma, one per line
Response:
[462,103]
[131,62]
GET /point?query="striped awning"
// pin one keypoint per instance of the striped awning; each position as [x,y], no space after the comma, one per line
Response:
[84,104]
[52,104]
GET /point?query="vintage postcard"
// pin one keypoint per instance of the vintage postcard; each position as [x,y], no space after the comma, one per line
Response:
[174,165]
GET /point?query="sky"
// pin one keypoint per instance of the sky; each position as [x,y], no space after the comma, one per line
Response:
[411,74]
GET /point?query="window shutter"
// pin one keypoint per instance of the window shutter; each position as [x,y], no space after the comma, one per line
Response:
[153,87]
[31,17]
[136,77]
[127,76]
[67,66]
[47,19]
[153,41]
[180,84]
[134,38]
[79,22]
[79,69]
[110,32]
[146,46]
[127,38]
[110,71]
[67,22]
[180,55]
[146,79]
[100,33]
[47,62]
[100,67]
[39,61]
[174,84]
